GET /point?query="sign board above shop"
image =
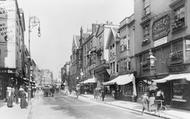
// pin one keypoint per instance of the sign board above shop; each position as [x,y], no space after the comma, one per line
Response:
[161,27]
[160,41]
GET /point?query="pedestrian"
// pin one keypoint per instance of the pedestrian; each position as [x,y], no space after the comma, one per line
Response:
[159,98]
[145,102]
[113,94]
[77,91]
[16,93]
[102,94]
[152,105]
[23,102]
[52,90]
[10,96]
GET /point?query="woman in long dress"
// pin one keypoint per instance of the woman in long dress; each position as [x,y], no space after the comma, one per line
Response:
[9,97]
[23,102]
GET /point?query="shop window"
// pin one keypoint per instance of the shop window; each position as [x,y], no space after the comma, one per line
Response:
[142,87]
[176,56]
[145,63]
[179,19]
[179,90]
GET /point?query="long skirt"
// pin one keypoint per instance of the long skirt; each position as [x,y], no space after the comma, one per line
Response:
[23,103]
[9,101]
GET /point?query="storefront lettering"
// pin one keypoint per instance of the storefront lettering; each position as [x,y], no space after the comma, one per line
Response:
[161,27]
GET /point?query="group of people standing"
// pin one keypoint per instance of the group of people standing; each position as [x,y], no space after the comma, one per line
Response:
[153,100]
[16,95]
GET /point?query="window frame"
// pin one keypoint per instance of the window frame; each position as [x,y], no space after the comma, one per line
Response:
[176,18]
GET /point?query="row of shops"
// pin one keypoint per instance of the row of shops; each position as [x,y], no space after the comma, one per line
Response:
[13,80]
[126,87]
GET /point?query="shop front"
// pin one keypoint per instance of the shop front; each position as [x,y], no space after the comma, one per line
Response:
[125,87]
[88,85]
[178,87]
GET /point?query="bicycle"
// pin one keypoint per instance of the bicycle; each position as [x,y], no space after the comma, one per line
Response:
[160,106]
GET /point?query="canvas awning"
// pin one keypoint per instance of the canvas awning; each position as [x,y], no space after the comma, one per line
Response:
[90,80]
[174,77]
[121,80]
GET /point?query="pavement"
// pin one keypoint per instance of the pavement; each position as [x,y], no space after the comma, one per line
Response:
[15,112]
[170,113]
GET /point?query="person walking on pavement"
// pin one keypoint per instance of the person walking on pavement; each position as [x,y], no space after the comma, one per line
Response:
[10,96]
[145,102]
[77,91]
[16,94]
[102,94]
[52,90]
[159,98]
[23,102]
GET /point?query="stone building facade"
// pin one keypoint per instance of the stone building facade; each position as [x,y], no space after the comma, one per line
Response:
[12,27]
[163,27]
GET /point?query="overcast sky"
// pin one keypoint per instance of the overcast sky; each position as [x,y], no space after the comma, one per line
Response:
[61,19]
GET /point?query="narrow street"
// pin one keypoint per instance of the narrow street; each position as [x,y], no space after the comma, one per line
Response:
[66,107]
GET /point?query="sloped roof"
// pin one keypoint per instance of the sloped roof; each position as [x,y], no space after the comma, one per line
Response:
[99,30]
[113,31]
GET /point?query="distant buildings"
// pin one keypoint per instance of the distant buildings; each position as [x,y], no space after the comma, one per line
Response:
[47,77]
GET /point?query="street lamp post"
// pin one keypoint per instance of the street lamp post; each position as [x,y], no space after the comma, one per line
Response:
[33,22]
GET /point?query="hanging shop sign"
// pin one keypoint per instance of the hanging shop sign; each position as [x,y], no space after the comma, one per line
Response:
[161,27]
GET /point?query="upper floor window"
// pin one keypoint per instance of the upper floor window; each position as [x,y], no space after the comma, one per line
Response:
[146,30]
[146,7]
[129,65]
[146,34]
[179,18]
[125,44]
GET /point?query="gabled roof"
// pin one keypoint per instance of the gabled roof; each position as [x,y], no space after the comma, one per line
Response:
[112,32]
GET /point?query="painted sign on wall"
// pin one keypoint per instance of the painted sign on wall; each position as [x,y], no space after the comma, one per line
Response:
[161,27]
